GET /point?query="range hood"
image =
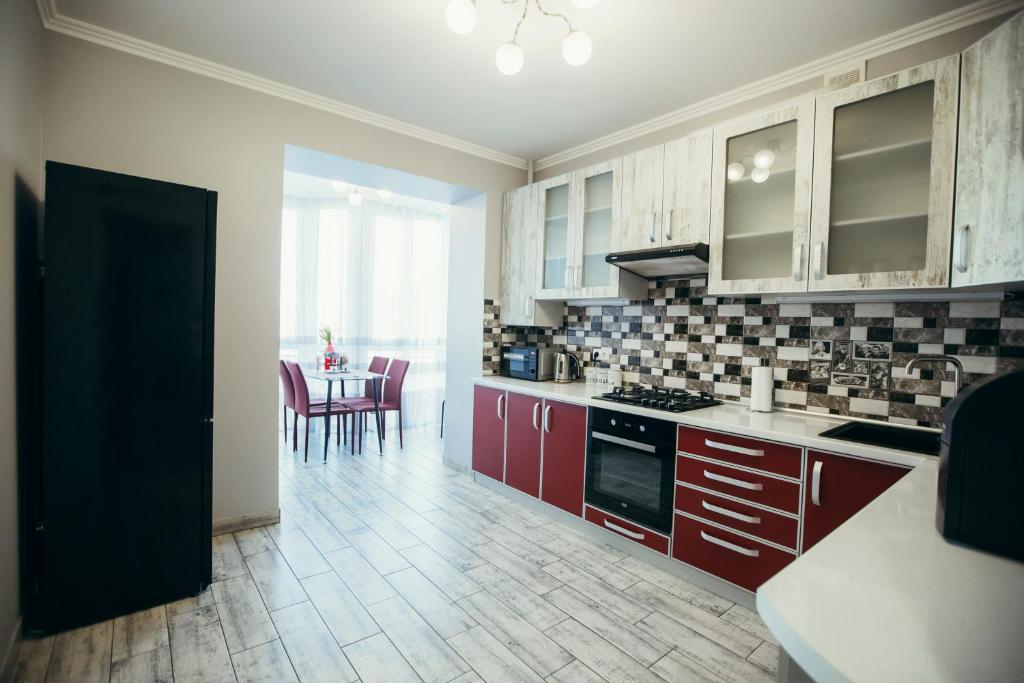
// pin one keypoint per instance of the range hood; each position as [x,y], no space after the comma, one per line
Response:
[683,259]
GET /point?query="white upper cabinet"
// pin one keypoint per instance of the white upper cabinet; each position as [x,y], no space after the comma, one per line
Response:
[555,241]
[988,244]
[883,181]
[520,271]
[642,186]
[761,202]
[597,196]
[686,197]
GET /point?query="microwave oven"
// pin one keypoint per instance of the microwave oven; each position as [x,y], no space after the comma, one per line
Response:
[528,362]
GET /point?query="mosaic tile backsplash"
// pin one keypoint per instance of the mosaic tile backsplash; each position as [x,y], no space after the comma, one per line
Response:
[842,359]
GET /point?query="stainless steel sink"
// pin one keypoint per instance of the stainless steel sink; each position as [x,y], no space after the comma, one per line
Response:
[887,436]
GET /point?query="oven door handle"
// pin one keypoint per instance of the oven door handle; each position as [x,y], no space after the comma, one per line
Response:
[645,447]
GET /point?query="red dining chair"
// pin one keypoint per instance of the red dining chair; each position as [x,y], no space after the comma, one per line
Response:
[391,400]
[378,364]
[289,394]
[307,409]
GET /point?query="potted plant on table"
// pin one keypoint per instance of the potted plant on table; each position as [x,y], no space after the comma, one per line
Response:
[332,359]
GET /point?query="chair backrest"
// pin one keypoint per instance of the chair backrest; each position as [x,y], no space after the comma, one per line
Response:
[301,390]
[396,378]
[378,364]
[286,383]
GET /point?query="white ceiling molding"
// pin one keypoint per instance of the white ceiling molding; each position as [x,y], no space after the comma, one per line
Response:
[54,21]
[911,35]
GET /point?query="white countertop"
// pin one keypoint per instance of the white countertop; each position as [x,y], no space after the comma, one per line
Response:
[886,598]
[792,427]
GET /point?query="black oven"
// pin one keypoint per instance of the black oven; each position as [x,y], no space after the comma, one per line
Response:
[631,467]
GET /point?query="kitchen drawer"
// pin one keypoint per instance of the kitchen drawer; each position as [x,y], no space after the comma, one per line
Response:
[739,450]
[746,518]
[757,488]
[633,532]
[729,556]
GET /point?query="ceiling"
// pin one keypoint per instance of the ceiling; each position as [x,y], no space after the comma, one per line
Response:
[398,57]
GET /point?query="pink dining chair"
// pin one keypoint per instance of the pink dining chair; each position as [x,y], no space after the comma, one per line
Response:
[378,364]
[308,409]
[289,394]
[391,401]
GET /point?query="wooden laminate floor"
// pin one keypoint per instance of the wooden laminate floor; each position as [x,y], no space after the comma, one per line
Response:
[402,569]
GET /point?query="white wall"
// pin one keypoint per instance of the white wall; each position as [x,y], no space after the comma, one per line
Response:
[21,71]
[119,112]
[465,323]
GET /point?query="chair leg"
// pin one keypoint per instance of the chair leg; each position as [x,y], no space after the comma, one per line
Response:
[305,455]
[401,444]
[383,424]
[344,424]
[295,432]
[337,432]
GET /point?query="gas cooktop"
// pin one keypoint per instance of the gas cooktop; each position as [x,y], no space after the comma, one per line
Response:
[660,398]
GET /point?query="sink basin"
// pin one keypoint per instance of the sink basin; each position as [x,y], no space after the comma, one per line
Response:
[887,436]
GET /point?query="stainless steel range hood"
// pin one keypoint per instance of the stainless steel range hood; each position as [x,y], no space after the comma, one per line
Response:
[684,259]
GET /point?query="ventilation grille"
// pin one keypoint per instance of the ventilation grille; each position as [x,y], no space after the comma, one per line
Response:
[846,76]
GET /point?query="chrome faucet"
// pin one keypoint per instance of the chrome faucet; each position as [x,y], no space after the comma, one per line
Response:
[958,367]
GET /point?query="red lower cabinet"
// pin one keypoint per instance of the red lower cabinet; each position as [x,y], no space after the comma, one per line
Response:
[837,487]
[489,432]
[565,455]
[729,556]
[522,444]
[633,532]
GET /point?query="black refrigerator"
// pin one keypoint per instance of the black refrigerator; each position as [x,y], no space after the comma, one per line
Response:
[121,492]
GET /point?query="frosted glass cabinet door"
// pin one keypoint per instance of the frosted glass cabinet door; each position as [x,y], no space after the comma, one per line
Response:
[883,181]
[600,189]
[760,205]
[555,220]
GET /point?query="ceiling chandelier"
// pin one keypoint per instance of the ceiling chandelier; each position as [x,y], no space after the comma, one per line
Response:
[509,58]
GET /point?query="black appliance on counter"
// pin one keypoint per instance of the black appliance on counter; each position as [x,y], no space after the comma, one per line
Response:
[527,362]
[981,466]
[660,398]
[631,467]
[121,485]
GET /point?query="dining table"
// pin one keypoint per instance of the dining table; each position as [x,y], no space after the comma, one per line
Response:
[341,377]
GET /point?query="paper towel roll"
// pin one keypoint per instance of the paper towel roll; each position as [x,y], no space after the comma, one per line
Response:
[761,389]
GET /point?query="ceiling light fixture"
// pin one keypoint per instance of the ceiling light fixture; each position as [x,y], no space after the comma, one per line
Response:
[509,58]
[384,194]
[355,199]
[759,175]
[764,158]
[735,171]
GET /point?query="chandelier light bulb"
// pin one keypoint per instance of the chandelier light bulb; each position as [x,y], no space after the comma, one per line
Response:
[576,48]
[384,194]
[735,171]
[355,199]
[509,59]
[585,4]
[461,16]
[759,175]
[338,186]
[764,158]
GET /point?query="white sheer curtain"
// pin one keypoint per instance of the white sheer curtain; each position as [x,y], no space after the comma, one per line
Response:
[377,274]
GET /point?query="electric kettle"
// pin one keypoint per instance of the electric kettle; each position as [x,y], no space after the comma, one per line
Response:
[567,367]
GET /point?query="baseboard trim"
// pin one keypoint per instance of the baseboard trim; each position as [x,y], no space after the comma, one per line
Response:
[10,658]
[230,525]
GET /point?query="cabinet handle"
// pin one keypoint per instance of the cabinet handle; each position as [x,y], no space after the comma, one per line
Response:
[731,546]
[733,449]
[624,531]
[819,249]
[750,486]
[654,217]
[547,419]
[668,231]
[961,248]
[501,406]
[816,483]
[729,513]
[798,262]
[536,410]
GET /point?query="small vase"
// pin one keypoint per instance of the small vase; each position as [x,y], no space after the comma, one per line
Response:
[329,348]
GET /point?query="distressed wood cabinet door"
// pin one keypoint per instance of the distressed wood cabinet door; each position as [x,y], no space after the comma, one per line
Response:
[642,187]
[555,246]
[988,244]
[686,201]
[760,217]
[883,181]
[520,270]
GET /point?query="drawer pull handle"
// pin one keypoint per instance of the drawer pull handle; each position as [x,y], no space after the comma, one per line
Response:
[625,532]
[731,546]
[733,449]
[816,483]
[750,486]
[729,513]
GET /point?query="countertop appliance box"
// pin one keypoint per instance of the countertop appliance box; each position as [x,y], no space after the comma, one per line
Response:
[981,466]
